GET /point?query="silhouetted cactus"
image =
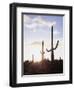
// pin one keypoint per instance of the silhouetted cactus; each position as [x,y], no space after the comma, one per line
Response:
[42,52]
[32,58]
[52,48]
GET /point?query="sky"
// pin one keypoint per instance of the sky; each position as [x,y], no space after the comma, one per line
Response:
[37,28]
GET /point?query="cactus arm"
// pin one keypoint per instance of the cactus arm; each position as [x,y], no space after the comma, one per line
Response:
[53,48]
[48,50]
[56,45]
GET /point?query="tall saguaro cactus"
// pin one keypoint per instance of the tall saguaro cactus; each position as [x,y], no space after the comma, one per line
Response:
[42,52]
[52,48]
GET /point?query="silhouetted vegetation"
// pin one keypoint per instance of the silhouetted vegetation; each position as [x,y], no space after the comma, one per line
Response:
[43,67]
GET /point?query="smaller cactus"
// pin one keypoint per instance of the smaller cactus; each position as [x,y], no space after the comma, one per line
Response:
[32,58]
[42,52]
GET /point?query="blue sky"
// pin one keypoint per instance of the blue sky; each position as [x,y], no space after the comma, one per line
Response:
[38,28]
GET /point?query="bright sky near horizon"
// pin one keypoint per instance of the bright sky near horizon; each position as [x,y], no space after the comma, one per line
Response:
[37,28]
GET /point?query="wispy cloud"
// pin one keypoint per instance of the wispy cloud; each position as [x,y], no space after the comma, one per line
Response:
[37,22]
[27,19]
[36,43]
[42,21]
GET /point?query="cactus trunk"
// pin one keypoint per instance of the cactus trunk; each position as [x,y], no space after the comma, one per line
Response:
[52,52]
[42,50]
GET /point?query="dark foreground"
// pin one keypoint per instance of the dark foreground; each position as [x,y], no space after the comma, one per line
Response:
[43,67]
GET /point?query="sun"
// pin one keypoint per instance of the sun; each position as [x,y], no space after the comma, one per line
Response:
[36,53]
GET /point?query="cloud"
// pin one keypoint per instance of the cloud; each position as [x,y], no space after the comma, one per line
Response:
[31,26]
[37,22]
[56,32]
[41,21]
[27,19]
[36,43]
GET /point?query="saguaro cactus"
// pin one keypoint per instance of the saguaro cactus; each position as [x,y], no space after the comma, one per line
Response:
[52,48]
[32,58]
[42,52]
